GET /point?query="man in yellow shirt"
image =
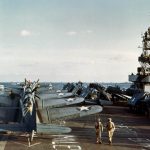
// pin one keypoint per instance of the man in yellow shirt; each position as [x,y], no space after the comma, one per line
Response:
[110,129]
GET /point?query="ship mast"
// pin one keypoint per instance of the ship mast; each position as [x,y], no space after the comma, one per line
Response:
[144,59]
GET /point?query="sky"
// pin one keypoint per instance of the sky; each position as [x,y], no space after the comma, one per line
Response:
[71,40]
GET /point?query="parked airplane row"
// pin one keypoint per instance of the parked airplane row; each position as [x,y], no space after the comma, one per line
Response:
[31,108]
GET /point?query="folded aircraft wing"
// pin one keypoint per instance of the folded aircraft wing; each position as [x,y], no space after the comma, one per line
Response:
[101,102]
[126,96]
[9,114]
[44,90]
[46,96]
[8,100]
[52,103]
[14,127]
[17,89]
[9,108]
[48,115]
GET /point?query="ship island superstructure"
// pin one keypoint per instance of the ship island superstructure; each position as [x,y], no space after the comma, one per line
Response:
[141,80]
[140,101]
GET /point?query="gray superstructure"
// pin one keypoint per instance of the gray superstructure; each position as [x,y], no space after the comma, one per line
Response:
[141,80]
[140,101]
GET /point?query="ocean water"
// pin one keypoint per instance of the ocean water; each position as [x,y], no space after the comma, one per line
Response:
[125,85]
[59,85]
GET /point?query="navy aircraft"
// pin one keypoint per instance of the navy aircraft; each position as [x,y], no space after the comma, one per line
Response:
[50,93]
[94,94]
[26,111]
[140,103]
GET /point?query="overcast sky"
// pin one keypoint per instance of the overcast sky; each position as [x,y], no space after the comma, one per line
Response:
[71,40]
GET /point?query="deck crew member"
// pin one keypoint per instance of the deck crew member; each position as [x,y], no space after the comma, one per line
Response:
[110,129]
[99,130]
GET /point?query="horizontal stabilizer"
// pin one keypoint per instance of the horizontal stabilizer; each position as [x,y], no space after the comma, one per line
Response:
[52,129]
[47,115]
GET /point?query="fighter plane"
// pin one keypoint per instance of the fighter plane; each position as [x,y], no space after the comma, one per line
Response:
[28,112]
[95,94]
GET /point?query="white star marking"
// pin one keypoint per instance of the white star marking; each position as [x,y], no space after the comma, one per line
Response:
[84,108]
[58,91]
[70,99]
[61,94]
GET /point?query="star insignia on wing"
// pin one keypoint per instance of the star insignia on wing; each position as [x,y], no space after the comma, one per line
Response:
[83,108]
[58,91]
[70,99]
[61,94]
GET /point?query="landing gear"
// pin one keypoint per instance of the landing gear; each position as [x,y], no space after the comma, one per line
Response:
[30,138]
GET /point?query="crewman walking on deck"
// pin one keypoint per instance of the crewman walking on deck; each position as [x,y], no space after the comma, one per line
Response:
[110,129]
[99,130]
